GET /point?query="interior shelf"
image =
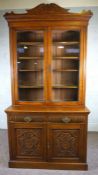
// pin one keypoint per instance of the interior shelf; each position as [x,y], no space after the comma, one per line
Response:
[65,86]
[67,57]
[30,58]
[30,43]
[66,70]
[65,42]
[25,86]
[27,70]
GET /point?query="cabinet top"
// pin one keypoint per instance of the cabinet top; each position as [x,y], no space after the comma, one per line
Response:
[49,12]
[47,109]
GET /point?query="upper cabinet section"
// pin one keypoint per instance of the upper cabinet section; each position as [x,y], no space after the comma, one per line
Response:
[48,56]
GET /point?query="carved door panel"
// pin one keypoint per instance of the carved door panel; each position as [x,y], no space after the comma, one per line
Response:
[66,142]
[28,141]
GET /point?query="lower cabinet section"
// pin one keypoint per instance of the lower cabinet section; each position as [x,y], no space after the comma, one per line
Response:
[47,144]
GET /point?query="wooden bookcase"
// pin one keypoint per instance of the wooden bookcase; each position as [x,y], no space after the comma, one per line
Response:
[47,122]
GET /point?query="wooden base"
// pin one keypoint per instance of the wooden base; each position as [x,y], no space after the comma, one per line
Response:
[48,165]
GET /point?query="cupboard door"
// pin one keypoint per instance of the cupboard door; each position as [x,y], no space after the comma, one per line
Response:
[66,142]
[30,65]
[65,65]
[28,141]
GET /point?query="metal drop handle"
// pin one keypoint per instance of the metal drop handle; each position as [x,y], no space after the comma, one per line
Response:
[28,119]
[66,119]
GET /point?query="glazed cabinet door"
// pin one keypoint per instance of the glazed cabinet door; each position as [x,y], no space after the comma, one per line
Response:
[48,66]
[29,65]
[65,62]
[28,141]
[66,142]
[66,76]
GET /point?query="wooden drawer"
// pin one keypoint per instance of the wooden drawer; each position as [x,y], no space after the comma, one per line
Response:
[67,118]
[50,117]
[27,117]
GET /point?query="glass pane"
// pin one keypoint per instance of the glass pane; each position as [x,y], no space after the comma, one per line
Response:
[65,65]
[30,55]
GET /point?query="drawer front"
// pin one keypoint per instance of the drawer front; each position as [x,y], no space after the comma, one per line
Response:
[50,117]
[67,118]
[27,117]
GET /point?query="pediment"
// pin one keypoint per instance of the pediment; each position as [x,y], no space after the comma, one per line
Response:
[50,8]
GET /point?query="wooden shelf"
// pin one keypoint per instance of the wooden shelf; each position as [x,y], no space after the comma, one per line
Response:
[67,57]
[65,86]
[66,70]
[30,58]
[65,42]
[30,43]
[30,87]
[28,70]
[36,100]
[59,100]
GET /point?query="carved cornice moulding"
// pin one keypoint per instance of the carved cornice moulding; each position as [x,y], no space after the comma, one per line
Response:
[49,12]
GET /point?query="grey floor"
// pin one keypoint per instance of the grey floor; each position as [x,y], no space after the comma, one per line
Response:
[92,160]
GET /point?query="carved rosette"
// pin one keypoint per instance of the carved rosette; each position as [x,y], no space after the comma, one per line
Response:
[66,143]
[29,142]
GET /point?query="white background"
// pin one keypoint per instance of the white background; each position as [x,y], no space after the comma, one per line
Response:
[21,4]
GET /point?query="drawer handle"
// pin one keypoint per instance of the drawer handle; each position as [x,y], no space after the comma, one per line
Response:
[66,119]
[28,119]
